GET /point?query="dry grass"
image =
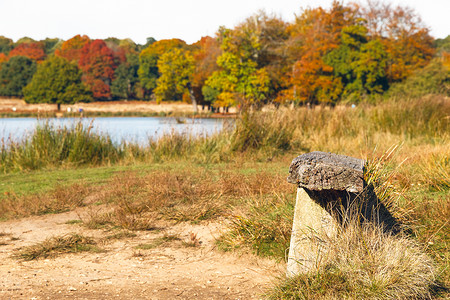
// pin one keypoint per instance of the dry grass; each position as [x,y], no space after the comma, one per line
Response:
[363,262]
[135,202]
[261,224]
[58,245]
[62,198]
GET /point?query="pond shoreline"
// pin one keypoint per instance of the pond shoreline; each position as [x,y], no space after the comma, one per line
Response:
[11,108]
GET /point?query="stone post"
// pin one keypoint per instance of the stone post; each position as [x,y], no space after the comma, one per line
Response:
[330,191]
[325,183]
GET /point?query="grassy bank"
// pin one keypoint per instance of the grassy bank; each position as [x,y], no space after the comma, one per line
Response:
[239,174]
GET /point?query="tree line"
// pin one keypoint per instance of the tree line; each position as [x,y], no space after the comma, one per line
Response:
[347,52]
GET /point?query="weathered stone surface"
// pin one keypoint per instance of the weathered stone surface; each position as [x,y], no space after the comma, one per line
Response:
[312,229]
[317,171]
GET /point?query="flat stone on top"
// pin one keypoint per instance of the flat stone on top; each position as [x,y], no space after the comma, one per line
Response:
[319,171]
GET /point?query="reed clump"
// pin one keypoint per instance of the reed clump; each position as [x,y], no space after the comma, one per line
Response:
[50,145]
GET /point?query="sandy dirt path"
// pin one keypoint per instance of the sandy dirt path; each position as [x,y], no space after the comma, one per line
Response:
[169,271]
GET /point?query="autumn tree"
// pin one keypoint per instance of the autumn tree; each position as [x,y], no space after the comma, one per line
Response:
[205,53]
[15,74]
[176,68]
[148,62]
[71,49]
[97,63]
[238,81]
[3,58]
[403,34]
[33,51]
[57,81]
[316,33]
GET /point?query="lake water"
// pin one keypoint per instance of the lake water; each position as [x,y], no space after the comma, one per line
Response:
[120,129]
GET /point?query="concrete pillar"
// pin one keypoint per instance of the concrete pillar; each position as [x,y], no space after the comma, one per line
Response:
[312,229]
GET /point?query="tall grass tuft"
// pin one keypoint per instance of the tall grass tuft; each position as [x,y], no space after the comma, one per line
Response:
[259,131]
[53,146]
[363,262]
[262,225]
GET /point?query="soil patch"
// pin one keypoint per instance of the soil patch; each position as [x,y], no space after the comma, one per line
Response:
[171,270]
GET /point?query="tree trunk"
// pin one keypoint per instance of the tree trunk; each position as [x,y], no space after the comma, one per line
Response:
[192,96]
[59,106]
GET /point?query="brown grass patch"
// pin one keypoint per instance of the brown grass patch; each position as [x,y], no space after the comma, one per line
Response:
[52,247]
[135,202]
[62,198]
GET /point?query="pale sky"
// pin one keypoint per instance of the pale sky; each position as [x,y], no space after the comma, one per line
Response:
[185,19]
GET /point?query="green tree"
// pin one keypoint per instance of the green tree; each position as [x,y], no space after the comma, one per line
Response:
[15,74]
[50,45]
[177,69]
[57,81]
[148,62]
[240,81]
[126,78]
[442,45]
[262,39]
[358,63]
[6,45]
[126,81]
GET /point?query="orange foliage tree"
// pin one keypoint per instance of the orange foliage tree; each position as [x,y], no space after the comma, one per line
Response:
[205,53]
[3,58]
[97,63]
[316,32]
[404,36]
[34,50]
[71,49]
